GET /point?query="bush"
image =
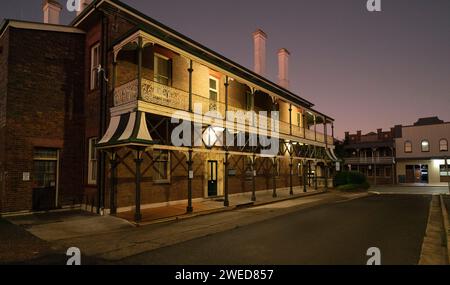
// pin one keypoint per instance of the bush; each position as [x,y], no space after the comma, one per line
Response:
[350,178]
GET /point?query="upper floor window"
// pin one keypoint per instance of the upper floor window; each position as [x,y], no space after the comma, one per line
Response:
[443,145]
[163,70]
[213,93]
[92,162]
[95,63]
[299,119]
[408,147]
[425,146]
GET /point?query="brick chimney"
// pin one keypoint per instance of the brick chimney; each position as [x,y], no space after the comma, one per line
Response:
[83,5]
[259,43]
[283,68]
[52,10]
[379,133]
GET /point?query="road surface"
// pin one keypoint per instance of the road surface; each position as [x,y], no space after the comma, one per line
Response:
[329,234]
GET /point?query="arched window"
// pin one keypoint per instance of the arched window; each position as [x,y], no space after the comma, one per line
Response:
[408,147]
[443,145]
[425,146]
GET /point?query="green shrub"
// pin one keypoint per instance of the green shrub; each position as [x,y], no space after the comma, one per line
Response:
[349,178]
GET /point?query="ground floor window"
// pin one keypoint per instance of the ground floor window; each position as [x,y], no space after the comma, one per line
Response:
[92,163]
[444,170]
[380,172]
[388,172]
[161,166]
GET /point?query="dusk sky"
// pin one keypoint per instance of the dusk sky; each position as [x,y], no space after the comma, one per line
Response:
[366,70]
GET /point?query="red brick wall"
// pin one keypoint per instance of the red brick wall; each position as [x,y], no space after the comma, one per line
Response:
[4,51]
[117,27]
[44,110]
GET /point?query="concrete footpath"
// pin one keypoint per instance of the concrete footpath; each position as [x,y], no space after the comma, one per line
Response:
[177,212]
[116,245]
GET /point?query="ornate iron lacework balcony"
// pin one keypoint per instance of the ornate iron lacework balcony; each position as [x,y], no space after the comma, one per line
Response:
[166,96]
[370,160]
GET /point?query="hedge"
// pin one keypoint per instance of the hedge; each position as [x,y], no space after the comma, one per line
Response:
[349,177]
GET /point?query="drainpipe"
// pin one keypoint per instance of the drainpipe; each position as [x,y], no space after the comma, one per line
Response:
[103,114]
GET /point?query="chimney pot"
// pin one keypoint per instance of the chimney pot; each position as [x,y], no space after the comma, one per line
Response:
[283,67]
[259,42]
[52,10]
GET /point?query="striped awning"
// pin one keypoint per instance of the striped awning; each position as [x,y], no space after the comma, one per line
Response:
[331,155]
[127,130]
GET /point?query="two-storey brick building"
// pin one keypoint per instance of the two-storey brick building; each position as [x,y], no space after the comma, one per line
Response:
[372,154]
[416,154]
[94,122]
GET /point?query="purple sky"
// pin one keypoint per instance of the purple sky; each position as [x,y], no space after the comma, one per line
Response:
[367,70]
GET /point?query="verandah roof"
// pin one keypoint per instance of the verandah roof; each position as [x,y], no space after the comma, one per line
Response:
[129,129]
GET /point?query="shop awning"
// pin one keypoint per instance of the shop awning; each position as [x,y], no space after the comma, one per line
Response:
[129,130]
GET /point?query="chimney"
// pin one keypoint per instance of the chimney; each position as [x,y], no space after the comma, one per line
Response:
[283,68]
[379,133]
[259,42]
[83,5]
[52,10]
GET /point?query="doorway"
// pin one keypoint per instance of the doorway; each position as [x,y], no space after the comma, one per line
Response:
[417,173]
[45,179]
[212,178]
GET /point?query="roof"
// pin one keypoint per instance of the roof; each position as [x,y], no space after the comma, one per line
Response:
[37,26]
[181,41]
[428,121]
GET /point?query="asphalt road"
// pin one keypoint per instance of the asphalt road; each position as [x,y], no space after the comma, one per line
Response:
[329,234]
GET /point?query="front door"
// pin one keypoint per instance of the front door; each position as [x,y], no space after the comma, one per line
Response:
[212,178]
[45,179]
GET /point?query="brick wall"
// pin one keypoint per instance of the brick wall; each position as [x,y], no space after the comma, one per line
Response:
[44,110]
[4,51]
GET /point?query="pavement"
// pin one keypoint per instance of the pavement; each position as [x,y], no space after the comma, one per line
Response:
[434,247]
[447,205]
[106,240]
[18,244]
[68,224]
[176,212]
[412,190]
[336,234]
